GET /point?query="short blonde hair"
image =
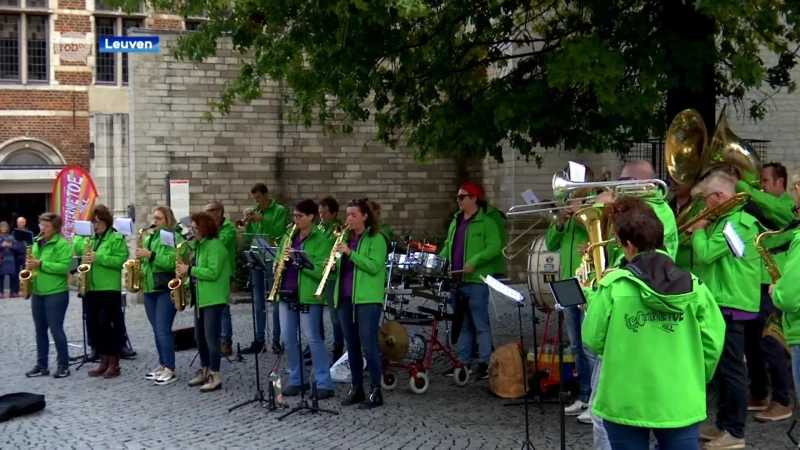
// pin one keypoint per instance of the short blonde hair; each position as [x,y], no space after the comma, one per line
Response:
[719,182]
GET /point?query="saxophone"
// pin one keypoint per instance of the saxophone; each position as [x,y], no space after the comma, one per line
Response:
[133,267]
[773,327]
[178,290]
[25,275]
[280,267]
[83,270]
[339,232]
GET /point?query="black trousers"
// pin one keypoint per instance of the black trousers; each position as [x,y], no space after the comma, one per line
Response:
[207,325]
[103,315]
[731,380]
[766,355]
[91,331]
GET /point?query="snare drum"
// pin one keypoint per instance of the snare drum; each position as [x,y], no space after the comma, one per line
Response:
[433,266]
[402,262]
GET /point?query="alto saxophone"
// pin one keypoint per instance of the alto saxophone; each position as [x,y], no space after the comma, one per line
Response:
[25,275]
[339,232]
[773,327]
[83,270]
[178,290]
[133,267]
[280,267]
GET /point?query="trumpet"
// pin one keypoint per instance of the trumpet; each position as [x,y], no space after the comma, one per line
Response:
[83,270]
[339,232]
[246,216]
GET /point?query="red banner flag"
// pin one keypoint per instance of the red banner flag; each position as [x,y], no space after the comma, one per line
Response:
[74,196]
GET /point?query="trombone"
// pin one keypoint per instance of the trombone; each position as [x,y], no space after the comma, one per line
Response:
[550,215]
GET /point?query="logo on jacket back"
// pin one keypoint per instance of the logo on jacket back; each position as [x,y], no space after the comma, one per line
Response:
[665,321]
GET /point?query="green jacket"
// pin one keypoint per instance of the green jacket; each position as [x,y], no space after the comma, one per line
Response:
[272,225]
[631,324]
[56,257]
[162,259]
[211,272]
[667,217]
[566,242]
[482,246]
[317,247]
[734,282]
[106,272]
[386,230]
[227,234]
[685,256]
[327,227]
[499,263]
[369,278]
[786,296]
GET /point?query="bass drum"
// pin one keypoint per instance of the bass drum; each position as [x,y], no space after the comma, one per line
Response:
[543,267]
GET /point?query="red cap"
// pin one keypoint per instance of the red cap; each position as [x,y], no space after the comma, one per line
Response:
[473,189]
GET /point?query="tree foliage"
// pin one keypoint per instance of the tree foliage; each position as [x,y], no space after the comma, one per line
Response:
[461,78]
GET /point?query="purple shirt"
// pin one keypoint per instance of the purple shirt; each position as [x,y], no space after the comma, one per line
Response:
[348,268]
[459,245]
[291,274]
[738,314]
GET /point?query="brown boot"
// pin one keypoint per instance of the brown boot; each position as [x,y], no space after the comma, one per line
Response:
[113,367]
[213,383]
[101,369]
[226,348]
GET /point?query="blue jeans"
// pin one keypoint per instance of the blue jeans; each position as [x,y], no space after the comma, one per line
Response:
[600,435]
[574,319]
[338,336]
[226,326]
[361,337]
[624,437]
[13,280]
[48,313]
[260,298]
[476,322]
[161,313]
[319,355]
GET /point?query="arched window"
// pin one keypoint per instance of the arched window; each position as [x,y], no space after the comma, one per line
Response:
[29,152]
[26,158]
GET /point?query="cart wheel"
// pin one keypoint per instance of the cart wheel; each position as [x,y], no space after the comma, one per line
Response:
[460,377]
[389,381]
[419,385]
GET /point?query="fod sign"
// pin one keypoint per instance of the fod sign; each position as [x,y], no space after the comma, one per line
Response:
[72,46]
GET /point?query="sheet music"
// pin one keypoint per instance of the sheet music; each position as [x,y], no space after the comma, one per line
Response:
[502,289]
[168,238]
[735,241]
[529,197]
[84,228]
[577,172]
[124,225]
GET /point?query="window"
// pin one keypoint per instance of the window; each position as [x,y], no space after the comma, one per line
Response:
[26,158]
[103,5]
[23,42]
[193,25]
[107,64]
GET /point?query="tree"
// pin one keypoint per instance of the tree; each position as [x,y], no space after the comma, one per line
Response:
[438,75]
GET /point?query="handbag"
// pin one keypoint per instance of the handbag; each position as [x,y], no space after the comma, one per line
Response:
[161,280]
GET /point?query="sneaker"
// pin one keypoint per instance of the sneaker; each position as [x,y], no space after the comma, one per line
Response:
[449,373]
[155,374]
[775,412]
[586,416]
[37,371]
[14,295]
[709,432]
[166,377]
[483,372]
[61,372]
[576,408]
[757,405]
[724,441]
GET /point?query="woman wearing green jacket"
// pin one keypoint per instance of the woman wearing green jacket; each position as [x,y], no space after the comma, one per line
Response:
[158,267]
[107,253]
[298,286]
[360,283]
[647,305]
[209,273]
[52,258]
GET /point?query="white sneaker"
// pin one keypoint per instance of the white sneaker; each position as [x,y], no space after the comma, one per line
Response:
[154,374]
[166,377]
[586,416]
[575,408]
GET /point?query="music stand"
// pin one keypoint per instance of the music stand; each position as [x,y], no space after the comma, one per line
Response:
[254,260]
[83,359]
[300,260]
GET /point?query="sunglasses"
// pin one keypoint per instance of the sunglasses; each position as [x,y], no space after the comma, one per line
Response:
[359,201]
[460,197]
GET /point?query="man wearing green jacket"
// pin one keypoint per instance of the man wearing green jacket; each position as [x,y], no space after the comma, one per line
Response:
[267,220]
[773,208]
[227,235]
[328,218]
[472,244]
[734,283]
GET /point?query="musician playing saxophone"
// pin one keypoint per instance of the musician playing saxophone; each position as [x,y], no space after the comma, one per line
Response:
[328,218]
[210,276]
[299,286]
[227,234]
[734,283]
[651,304]
[107,253]
[52,258]
[360,279]
[157,268]
[267,220]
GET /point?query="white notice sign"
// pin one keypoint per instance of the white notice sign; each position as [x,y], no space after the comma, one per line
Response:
[179,197]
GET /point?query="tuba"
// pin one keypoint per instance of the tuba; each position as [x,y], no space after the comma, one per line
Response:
[280,267]
[83,270]
[594,258]
[339,232]
[773,327]
[25,275]
[726,148]
[133,267]
[178,290]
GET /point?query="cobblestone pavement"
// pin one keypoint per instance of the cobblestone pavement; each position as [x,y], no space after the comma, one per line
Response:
[129,412]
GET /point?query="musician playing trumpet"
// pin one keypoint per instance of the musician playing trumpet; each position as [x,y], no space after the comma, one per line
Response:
[50,263]
[734,283]
[360,279]
[107,253]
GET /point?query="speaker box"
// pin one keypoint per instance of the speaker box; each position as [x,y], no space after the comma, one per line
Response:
[184,338]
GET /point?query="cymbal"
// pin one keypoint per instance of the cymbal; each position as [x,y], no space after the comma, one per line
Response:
[393,341]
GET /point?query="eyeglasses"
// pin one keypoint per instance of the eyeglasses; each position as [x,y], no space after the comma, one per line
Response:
[706,197]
